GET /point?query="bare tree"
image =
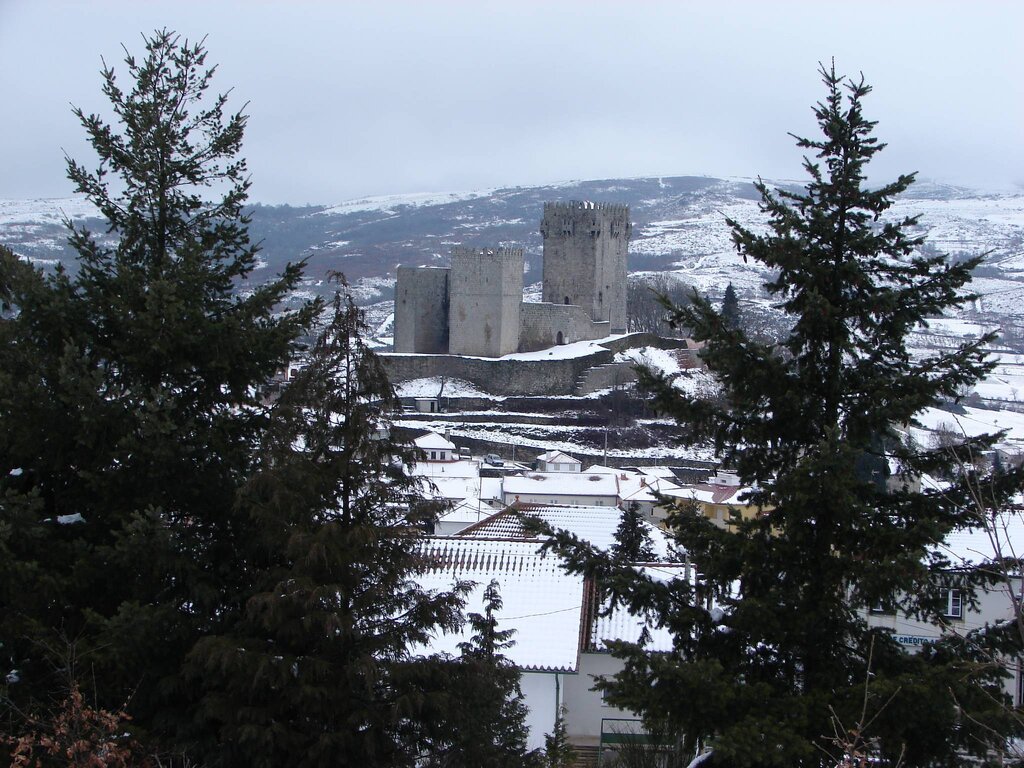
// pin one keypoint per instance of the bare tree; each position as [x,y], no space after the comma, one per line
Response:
[644,307]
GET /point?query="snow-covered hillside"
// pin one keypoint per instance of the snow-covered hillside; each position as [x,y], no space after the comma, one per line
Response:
[679,225]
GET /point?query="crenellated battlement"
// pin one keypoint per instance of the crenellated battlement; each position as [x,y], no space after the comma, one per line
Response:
[498,254]
[585,217]
[581,206]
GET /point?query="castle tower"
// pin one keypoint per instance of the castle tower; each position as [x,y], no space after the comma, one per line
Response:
[485,294]
[585,258]
[421,310]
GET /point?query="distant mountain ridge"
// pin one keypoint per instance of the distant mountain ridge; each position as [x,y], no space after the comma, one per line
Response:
[678,225]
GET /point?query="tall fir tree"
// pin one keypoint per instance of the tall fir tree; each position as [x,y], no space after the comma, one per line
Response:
[730,311]
[772,651]
[130,409]
[632,541]
[319,669]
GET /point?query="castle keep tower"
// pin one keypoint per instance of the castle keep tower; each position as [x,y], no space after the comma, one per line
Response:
[585,258]
[421,311]
[485,294]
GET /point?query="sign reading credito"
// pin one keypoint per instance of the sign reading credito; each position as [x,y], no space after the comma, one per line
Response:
[913,639]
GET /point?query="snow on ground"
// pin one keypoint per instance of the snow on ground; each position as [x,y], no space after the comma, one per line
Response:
[430,387]
[45,211]
[970,423]
[1005,382]
[1000,296]
[973,224]
[387,203]
[548,437]
[651,357]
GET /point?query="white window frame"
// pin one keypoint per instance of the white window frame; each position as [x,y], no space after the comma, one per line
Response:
[953,600]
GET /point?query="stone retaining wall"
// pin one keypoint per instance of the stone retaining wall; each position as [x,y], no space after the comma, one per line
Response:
[502,376]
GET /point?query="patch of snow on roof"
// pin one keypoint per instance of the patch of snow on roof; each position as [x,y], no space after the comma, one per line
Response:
[596,525]
[620,624]
[541,602]
[557,457]
[434,441]
[562,483]
[973,546]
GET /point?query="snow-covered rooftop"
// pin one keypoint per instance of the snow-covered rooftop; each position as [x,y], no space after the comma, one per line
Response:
[557,457]
[432,441]
[1003,536]
[562,484]
[541,602]
[468,511]
[596,525]
[620,624]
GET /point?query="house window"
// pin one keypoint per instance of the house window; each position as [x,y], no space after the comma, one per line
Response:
[433,455]
[882,607]
[952,603]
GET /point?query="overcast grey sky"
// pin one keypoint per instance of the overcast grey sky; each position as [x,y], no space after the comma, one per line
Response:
[357,98]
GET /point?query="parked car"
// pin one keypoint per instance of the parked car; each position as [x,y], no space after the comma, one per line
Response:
[494,460]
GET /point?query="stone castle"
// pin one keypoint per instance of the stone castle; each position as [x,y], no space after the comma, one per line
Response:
[475,307]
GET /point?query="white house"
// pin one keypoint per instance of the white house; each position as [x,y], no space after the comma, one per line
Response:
[541,602]
[464,514]
[556,461]
[436,447]
[595,490]
[642,488]
[559,632]
[969,548]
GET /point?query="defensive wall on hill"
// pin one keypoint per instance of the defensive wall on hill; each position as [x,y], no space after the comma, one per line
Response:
[503,376]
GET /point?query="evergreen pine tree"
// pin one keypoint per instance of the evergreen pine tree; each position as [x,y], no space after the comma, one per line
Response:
[730,308]
[632,541]
[772,651]
[558,752]
[317,671]
[129,400]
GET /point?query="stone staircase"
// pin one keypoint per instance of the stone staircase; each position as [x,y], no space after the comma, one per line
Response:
[604,376]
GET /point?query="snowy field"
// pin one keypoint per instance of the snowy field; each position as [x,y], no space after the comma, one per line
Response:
[387,203]
[29,213]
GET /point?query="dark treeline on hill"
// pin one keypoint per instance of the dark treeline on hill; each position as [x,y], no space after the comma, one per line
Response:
[189,576]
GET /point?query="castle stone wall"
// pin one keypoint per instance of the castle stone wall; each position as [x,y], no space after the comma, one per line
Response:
[585,247]
[541,324]
[557,376]
[421,310]
[485,294]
